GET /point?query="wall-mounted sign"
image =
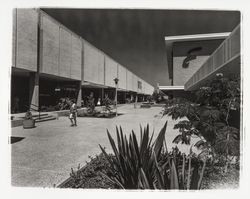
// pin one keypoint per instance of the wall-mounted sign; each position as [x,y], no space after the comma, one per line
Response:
[191,55]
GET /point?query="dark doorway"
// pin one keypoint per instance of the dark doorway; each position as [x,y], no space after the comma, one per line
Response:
[52,91]
[19,91]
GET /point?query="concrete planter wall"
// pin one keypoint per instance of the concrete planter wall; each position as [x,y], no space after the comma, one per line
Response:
[30,123]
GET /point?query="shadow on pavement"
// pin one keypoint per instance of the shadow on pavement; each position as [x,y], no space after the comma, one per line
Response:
[15,139]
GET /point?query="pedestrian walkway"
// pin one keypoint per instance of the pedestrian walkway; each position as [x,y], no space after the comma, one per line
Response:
[46,154]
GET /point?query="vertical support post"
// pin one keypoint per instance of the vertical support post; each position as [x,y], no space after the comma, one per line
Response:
[136,99]
[102,94]
[79,95]
[116,100]
[116,87]
[124,95]
[34,91]
[34,76]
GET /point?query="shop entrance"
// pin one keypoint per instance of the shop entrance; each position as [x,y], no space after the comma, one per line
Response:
[55,93]
[19,91]
[121,97]
[86,91]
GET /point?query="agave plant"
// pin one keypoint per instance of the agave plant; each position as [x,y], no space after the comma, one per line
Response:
[133,158]
[148,165]
[178,172]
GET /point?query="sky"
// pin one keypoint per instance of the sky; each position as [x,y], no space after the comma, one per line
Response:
[135,38]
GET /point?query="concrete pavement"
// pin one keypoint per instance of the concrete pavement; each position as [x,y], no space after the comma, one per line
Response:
[47,153]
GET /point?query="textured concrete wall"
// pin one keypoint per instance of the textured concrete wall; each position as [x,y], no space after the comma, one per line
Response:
[61,50]
[50,46]
[149,89]
[93,64]
[135,83]
[76,59]
[182,75]
[26,39]
[122,75]
[64,53]
[111,71]
[139,89]
[101,68]
[143,86]
[129,80]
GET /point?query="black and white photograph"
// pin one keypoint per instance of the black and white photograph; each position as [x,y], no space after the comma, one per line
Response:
[125,98]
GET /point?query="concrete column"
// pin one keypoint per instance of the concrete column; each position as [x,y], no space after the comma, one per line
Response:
[124,96]
[34,76]
[79,95]
[102,95]
[136,100]
[34,91]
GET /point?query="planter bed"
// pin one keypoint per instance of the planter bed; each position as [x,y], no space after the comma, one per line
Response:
[158,105]
[218,179]
[145,105]
[28,123]
[99,115]
[94,176]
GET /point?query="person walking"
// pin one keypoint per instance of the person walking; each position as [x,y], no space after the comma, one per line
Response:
[73,113]
[99,102]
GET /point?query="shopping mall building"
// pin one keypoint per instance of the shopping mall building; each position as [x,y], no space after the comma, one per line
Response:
[51,62]
[194,60]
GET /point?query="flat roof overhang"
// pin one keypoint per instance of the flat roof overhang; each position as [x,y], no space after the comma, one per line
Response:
[121,89]
[86,84]
[169,40]
[20,72]
[171,88]
[56,78]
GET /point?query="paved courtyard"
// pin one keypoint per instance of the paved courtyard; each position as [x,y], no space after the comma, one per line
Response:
[45,155]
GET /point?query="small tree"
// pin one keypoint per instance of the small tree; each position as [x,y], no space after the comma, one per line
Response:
[107,104]
[91,104]
[208,117]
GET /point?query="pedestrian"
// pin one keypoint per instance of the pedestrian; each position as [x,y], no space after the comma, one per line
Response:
[99,102]
[73,113]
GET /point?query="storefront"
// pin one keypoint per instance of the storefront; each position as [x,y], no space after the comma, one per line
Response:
[54,91]
[19,91]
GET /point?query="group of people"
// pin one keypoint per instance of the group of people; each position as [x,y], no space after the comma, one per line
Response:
[63,104]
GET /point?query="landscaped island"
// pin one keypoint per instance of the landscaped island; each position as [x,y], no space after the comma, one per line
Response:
[147,164]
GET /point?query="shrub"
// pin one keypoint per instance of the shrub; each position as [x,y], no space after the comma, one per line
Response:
[107,104]
[28,115]
[91,104]
[208,117]
[93,174]
[148,165]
